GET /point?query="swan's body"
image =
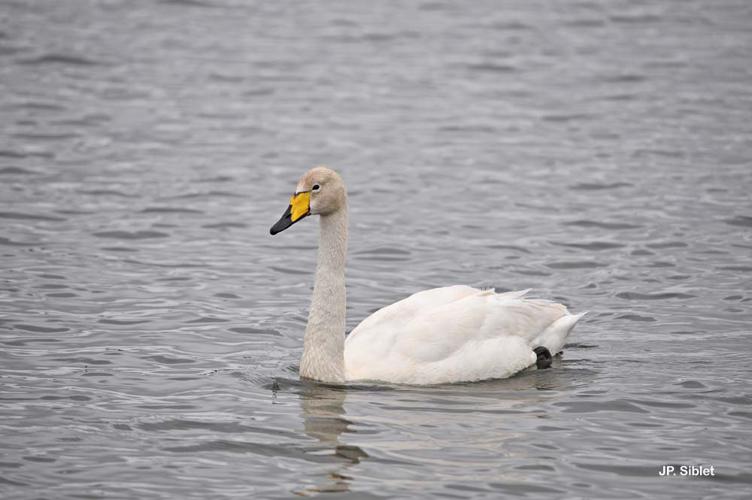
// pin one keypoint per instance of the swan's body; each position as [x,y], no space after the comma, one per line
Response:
[452,334]
[442,335]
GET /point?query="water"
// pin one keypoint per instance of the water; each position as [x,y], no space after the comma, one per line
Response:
[598,152]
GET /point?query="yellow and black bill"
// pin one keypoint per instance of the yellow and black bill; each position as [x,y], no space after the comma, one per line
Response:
[300,207]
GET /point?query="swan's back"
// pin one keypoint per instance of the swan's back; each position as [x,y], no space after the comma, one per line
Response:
[454,334]
[411,306]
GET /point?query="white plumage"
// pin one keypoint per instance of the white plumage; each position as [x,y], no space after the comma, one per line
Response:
[442,335]
[454,334]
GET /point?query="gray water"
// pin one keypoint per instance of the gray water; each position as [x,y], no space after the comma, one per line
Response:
[597,152]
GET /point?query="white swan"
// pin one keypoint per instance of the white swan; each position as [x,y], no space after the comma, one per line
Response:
[443,335]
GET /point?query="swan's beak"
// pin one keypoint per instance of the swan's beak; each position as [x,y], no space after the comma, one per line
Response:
[300,206]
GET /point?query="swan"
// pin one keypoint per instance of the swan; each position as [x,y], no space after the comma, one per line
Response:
[437,336]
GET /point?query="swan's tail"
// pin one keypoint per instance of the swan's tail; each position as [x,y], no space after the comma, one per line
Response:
[556,334]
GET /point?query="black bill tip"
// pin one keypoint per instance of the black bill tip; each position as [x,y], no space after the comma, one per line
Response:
[283,223]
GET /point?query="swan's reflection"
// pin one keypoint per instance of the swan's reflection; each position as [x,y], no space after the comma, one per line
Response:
[323,420]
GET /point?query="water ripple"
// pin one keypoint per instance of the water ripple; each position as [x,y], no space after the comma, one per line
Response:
[63,59]
[653,296]
[603,225]
[131,235]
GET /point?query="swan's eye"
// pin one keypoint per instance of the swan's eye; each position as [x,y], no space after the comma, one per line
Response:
[315,188]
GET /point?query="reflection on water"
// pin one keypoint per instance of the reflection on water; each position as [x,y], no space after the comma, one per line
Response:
[323,420]
[324,409]
[596,152]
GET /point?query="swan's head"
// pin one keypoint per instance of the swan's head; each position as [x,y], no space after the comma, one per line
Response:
[319,192]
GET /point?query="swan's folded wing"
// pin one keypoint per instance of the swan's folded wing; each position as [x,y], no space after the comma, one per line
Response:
[401,311]
[442,331]
[481,335]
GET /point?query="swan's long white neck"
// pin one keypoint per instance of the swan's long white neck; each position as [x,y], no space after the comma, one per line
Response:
[324,342]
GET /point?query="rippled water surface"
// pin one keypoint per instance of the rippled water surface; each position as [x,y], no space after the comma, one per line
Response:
[597,152]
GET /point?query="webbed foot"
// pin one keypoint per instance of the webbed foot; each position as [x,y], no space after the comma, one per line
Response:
[544,357]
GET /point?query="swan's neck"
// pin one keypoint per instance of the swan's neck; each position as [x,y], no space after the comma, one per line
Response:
[324,342]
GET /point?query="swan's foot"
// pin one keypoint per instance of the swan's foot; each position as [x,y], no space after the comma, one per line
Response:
[544,357]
